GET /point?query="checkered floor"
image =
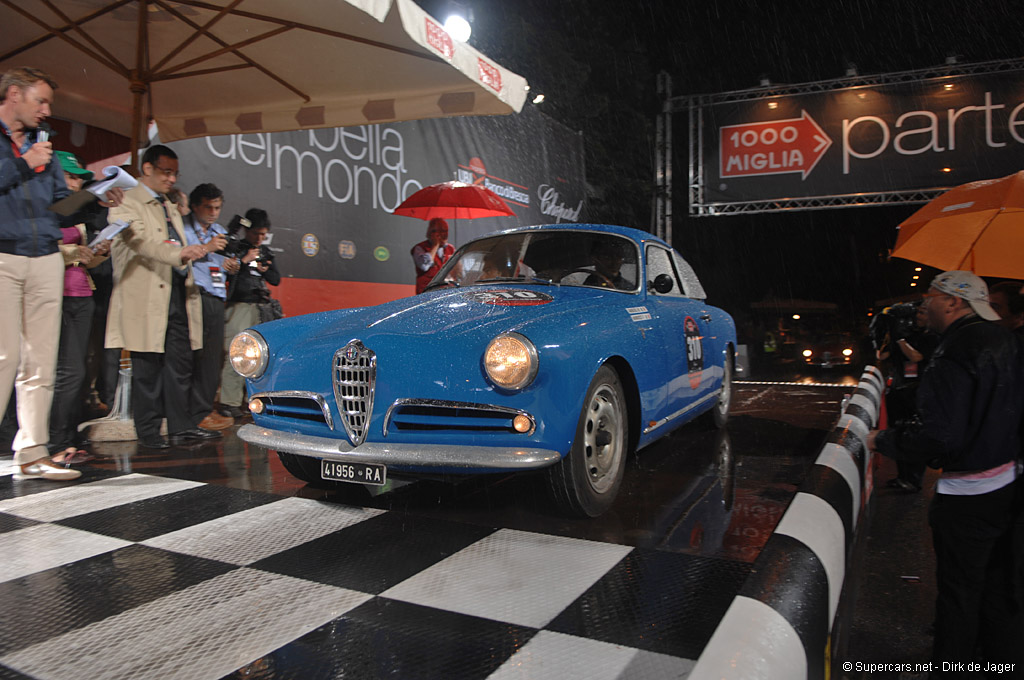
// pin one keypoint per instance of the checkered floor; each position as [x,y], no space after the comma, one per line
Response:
[135,576]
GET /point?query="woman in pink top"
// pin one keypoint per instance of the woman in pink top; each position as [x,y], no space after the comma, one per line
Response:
[76,323]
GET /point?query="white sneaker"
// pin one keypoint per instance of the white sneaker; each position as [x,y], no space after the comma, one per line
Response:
[39,471]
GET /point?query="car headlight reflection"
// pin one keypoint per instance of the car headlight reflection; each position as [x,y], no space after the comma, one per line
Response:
[510,361]
[248,354]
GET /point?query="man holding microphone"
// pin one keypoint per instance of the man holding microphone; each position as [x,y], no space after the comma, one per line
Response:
[31,266]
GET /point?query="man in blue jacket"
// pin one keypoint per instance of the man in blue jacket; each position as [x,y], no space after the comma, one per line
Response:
[969,405]
[31,267]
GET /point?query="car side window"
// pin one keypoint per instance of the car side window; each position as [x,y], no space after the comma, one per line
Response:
[659,262]
[691,284]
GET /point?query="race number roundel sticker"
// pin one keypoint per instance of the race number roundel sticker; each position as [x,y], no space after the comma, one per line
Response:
[694,352]
[509,298]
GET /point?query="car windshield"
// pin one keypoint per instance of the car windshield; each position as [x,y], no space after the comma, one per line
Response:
[570,258]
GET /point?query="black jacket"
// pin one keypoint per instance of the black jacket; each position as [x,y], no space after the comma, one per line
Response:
[969,402]
[248,285]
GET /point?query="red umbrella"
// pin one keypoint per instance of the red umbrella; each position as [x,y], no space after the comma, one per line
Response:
[454,200]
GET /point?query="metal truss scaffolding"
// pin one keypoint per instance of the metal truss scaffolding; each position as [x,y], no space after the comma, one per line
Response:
[694,106]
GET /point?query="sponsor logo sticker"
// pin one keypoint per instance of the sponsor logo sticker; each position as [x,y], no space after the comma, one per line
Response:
[381,254]
[346,249]
[508,298]
[694,352]
[310,245]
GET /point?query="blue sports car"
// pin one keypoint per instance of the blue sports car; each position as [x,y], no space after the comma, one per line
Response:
[554,348]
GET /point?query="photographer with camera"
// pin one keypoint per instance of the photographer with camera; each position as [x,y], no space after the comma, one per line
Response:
[247,294]
[903,347]
[210,272]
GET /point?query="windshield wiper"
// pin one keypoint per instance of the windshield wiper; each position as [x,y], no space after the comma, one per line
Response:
[505,279]
[438,284]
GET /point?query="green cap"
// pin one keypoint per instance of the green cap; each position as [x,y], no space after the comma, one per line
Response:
[71,164]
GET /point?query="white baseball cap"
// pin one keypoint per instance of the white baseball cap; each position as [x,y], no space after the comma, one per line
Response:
[967,286]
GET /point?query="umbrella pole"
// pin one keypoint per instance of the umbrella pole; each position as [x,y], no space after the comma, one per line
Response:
[138,90]
[138,85]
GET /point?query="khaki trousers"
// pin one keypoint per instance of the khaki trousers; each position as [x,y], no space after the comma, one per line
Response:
[237,317]
[31,294]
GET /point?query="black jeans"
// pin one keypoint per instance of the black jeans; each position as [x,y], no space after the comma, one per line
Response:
[68,393]
[978,608]
[900,405]
[206,364]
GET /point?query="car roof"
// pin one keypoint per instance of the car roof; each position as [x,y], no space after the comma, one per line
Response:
[637,235]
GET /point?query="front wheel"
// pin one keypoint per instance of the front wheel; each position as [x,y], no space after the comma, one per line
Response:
[718,416]
[586,481]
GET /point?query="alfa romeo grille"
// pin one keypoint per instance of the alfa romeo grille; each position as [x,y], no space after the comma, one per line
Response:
[354,373]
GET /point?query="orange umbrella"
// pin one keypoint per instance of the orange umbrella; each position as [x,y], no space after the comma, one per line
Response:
[977,226]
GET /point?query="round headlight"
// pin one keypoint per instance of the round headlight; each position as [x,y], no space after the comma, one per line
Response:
[248,354]
[808,352]
[510,361]
[847,352]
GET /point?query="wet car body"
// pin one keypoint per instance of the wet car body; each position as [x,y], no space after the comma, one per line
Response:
[606,366]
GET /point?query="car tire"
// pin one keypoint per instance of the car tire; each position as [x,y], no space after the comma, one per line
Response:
[587,480]
[305,468]
[718,416]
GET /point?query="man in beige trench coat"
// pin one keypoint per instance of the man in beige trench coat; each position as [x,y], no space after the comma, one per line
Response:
[155,308]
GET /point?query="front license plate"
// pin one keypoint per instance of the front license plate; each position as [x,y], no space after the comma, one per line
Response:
[357,473]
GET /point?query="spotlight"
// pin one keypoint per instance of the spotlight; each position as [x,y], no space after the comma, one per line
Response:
[457,27]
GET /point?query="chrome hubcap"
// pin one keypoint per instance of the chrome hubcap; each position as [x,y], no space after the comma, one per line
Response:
[602,439]
[726,395]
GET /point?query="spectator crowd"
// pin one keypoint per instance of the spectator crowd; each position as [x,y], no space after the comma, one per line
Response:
[169,290]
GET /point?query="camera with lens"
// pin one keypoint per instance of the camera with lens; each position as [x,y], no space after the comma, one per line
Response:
[236,223]
[892,324]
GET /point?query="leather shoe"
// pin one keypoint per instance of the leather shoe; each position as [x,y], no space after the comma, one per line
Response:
[154,442]
[45,471]
[215,421]
[194,435]
[231,411]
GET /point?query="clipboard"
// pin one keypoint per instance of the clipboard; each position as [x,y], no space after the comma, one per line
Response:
[113,177]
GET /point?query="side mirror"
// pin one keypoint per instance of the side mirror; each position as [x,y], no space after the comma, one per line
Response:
[663,283]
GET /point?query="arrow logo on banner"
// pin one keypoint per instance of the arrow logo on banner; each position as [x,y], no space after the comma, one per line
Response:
[772,147]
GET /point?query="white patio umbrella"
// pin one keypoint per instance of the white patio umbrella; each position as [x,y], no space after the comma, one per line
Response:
[218,67]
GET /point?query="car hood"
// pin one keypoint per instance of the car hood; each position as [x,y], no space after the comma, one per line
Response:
[444,314]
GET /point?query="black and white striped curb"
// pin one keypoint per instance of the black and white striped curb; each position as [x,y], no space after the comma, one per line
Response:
[779,624]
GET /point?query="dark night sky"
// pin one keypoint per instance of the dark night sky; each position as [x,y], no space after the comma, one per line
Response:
[596,62]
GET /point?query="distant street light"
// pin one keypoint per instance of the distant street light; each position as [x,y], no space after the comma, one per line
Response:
[457,27]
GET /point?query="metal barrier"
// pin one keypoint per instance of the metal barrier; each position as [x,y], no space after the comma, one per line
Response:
[780,623]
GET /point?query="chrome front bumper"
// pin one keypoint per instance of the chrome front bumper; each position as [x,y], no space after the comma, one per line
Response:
[410,455]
